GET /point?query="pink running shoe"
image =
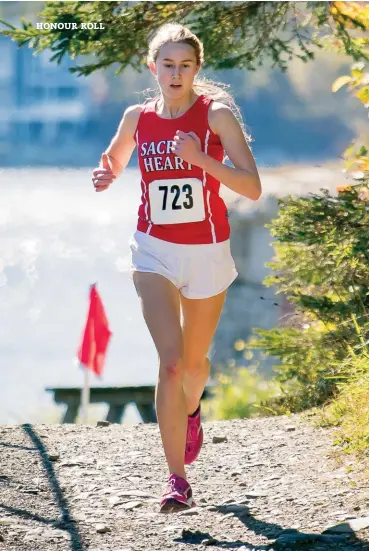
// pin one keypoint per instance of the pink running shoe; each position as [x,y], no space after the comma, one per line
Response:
[178,495]
[195,437]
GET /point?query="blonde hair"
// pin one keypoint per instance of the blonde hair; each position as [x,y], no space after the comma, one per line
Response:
[217,91]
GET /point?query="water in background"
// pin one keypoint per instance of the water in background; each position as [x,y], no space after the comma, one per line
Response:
[57,236]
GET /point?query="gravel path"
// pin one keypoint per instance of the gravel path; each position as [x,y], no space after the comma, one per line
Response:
[260,484]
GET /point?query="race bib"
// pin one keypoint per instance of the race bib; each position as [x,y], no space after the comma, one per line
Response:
[176,201]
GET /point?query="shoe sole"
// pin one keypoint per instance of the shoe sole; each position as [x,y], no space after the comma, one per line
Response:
[172,506]
[198,453]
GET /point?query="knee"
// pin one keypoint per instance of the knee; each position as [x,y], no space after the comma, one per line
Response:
[197,366]
[171,366]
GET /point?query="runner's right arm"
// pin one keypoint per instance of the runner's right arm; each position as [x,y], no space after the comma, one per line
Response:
[117,156]
[123,144]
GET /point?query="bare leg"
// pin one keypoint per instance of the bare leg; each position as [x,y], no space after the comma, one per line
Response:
[161,310]
[200,320]
[193,385]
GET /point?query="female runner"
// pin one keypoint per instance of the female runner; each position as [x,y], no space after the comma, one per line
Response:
[180,252]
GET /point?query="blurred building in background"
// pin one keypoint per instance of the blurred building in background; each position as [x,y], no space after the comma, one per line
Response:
[44,108]
[48,115]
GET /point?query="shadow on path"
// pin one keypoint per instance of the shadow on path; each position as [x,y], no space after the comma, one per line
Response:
[65,521]
[286,538]
[5,445]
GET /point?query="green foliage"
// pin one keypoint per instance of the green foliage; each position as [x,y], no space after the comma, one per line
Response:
[357,154]
[305,369]
[351,22]
[239,394]
[235,34]
[350,410]
[321,264]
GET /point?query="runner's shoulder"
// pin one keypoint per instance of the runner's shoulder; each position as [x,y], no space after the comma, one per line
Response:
[218,114]
[130,118]
[133,112]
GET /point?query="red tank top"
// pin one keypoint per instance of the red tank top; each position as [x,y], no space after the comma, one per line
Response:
[179,191]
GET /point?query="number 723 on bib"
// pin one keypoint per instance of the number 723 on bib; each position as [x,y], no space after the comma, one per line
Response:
[176,201]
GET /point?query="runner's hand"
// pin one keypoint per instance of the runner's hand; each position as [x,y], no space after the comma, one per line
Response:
[103,176]
[187,145]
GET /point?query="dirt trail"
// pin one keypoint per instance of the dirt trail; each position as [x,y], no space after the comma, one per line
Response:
[259,484]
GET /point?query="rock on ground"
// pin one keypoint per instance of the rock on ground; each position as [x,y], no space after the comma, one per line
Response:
[259,485]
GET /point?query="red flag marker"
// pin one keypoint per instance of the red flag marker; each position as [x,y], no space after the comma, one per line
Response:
[96,336]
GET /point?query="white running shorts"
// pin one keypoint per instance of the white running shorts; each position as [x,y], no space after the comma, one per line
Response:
[198,271]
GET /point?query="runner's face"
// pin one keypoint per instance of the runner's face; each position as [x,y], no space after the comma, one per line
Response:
[175,69]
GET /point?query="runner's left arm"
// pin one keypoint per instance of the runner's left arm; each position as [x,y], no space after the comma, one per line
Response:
[243,177]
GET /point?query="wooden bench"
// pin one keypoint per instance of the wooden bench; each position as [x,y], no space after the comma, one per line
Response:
[116,397]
